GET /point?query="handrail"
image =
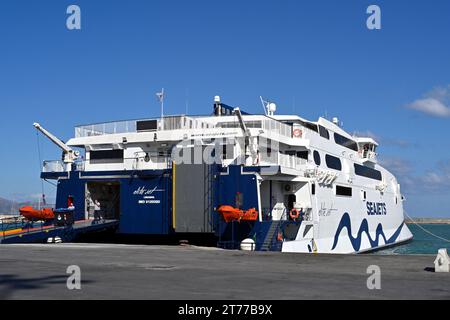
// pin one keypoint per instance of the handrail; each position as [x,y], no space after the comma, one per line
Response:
[10,223]
[126,126]
[18,222]
[170,123]
[57,166]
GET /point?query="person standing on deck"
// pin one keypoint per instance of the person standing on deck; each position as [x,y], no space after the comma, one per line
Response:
[97,211]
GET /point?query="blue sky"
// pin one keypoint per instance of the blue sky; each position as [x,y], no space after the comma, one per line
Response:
[311,57]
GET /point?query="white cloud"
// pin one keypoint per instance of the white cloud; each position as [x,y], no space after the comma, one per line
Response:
[436,180]
[368,134]
[440,93]
[399,167]
[384,140]
[431,106]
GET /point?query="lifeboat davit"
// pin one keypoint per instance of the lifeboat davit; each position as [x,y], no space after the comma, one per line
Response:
[230,213]
[35,214]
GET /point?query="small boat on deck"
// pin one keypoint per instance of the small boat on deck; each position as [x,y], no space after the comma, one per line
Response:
[230,213]
[37,214]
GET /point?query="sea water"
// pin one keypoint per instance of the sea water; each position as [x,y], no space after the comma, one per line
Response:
[423,242]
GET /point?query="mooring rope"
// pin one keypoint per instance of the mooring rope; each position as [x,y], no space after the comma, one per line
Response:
[425,230]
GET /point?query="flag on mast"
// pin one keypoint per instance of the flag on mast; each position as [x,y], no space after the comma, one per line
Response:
[160,96]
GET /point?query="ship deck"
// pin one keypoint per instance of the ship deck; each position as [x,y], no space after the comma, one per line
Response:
[41,233]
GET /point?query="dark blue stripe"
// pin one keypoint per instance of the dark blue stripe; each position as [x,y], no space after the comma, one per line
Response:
[364,228]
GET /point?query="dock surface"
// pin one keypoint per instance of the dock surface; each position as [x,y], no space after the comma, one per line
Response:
[110,271]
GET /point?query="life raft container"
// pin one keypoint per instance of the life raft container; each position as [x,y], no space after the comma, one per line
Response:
[35,214]
[230,214]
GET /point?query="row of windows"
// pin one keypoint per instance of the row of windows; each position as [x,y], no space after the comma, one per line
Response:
[336,164]
[298,154]
[344,192]
[345,142]
[248,124]
[339,139]
[368,172]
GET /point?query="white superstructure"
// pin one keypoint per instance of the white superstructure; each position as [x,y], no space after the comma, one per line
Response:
[348,202]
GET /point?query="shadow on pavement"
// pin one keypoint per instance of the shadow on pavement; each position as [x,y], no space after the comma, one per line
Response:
[10,283]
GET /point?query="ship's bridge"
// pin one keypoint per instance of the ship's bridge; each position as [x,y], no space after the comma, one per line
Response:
[367,149]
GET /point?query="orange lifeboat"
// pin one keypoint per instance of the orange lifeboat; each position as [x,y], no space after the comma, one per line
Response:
[34,214]
[230,214]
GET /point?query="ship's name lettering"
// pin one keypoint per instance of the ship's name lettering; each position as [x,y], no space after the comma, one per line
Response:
[376,209]
[142,191]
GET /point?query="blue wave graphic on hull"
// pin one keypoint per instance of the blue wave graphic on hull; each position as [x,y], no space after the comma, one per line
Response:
[364,228]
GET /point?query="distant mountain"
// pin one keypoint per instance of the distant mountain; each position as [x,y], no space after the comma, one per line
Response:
[6,206]
[11,207]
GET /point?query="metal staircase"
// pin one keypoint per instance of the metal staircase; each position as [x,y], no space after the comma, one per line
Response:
[271,235]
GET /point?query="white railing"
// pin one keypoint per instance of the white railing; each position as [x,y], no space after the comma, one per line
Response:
[369,156]
[139,163]
[166,123]
[172,123]
[151,163]
[54,166]
[79,165]
[59,166]
[105,128]
[291,161]
[182,122]
[284,160]
[274,126]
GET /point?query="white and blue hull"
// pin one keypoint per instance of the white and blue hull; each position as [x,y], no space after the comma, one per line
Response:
[277,165]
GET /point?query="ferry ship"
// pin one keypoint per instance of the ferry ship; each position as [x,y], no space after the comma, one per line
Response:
[262,182]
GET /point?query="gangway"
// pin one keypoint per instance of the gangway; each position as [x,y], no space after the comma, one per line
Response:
[17,231]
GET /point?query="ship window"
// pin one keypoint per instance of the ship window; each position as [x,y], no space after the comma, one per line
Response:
[302,155]
[313,188]
[324,133]
[224,151]
[310,126]
[317,158]
[289,152]
[228,125]
[253,124]
[147,125]
[364,195]
[368,172]
[345,142]
[343,191]
[227,152]
[333,162]
[106,155]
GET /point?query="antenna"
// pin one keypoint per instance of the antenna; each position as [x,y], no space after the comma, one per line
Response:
[160,96]
[263,105]
[269,107]
[187,100]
